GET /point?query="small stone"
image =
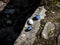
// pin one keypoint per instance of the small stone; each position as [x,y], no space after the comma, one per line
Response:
[30,21]
[1,3]
[5,1]
[53,12]
[23,35]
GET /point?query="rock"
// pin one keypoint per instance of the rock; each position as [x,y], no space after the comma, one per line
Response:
[30,36]
[42,13]
[59,40]
[30,21]
[2,5]
[48,30]
[58,4]
[52,12]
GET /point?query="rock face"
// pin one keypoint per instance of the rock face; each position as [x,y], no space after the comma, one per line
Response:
[48,30]
[2,5]
[59,40]
[28,37]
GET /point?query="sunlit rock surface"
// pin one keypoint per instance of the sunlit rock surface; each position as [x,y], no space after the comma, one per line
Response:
[59,40]
[2,5]
[28,37]
[48,30]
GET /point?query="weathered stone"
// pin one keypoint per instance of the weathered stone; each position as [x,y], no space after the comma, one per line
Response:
[59,40]
[48,30]
[2,5]
[28,37]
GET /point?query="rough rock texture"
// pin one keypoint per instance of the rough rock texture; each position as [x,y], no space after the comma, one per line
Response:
[48,30]
[55,19]
[2,5]
[59,40]
[28,37]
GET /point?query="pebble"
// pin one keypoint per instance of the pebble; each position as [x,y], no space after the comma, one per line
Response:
[30,21]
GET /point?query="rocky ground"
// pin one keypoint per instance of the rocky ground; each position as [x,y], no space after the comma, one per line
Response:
[52,15]
[3,3]
[15,19]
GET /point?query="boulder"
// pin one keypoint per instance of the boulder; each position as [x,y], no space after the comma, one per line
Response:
[48,30]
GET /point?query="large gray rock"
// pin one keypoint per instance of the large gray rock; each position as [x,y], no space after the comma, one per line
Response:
[48,30]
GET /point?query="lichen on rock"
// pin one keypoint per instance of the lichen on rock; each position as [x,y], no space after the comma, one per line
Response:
[48,30]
